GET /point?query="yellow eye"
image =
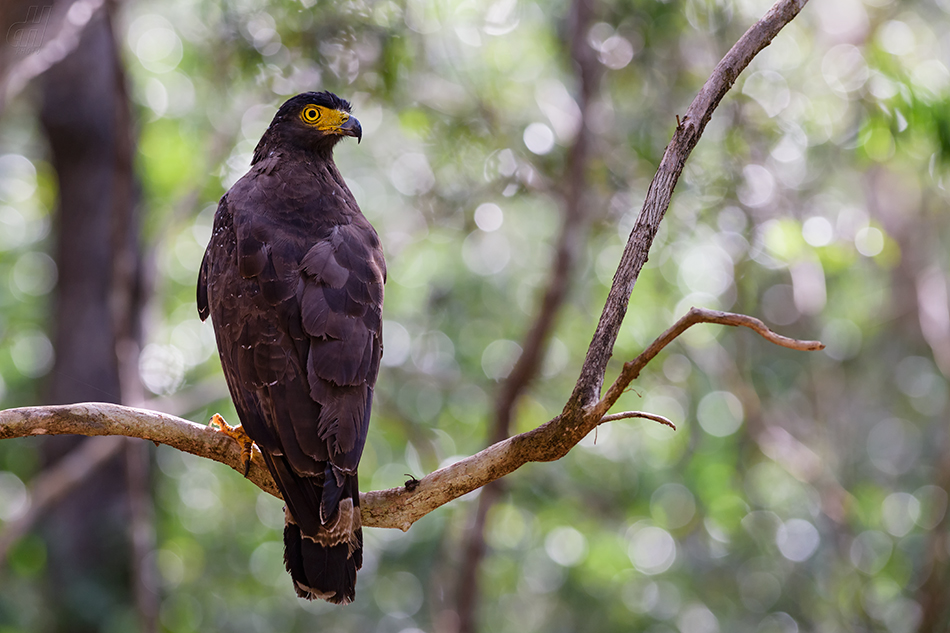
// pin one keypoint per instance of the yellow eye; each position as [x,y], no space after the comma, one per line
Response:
[310,114]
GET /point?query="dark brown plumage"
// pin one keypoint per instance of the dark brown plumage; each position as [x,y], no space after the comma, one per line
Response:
[293,281]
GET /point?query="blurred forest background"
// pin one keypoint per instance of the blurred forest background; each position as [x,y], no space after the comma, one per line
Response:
[508,147]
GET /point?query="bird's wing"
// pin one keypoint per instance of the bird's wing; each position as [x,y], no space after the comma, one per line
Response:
[340,300]
[316,333]
[296,304]
[256,353]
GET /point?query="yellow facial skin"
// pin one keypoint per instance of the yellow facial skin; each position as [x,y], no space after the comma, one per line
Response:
[324,119]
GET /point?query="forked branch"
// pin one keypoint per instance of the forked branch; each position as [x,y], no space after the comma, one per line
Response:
[396,507]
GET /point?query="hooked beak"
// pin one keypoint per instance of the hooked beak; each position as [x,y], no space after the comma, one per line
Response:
[352,128]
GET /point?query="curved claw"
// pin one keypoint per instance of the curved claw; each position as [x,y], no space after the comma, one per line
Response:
[239,435]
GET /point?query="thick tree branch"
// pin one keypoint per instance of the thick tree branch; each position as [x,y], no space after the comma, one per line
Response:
[396,507]
[100,418]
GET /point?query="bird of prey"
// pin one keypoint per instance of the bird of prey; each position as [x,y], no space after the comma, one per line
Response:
[293,282]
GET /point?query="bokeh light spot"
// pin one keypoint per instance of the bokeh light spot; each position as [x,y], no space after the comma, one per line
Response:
[651,549]
[870,551]
[156,44]
[34,274]
[267,564]
[486,253]
[398,594]
[797,540]
[769,89]
[17,178]
[14,500]
[489,217]
[396,344]
[899,512]
[842,339]
[869,241]
[411,174]
[32,354]
[894,446]
[616,52]
[539,138]
[818,231]
[844,69]
[720,413]
[162,368]
[566,546]
[697,618]
[758,186]
[499,358]
[672,506]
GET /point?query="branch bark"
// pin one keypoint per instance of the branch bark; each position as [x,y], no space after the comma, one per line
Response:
[396,507]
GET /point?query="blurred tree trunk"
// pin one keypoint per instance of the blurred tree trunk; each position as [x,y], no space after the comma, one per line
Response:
[86,115]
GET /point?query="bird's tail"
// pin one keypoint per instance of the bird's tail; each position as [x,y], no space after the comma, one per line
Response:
[322,555]
[323,564]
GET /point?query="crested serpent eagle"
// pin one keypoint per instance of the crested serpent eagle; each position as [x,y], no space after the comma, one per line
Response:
[293,282]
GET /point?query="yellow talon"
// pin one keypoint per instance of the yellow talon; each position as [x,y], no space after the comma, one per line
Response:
[239,435]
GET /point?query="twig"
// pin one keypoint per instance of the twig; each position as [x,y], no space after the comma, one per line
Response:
[393,508]
[632,369]
[613,417]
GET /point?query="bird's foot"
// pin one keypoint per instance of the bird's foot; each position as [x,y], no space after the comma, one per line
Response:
[239,435]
